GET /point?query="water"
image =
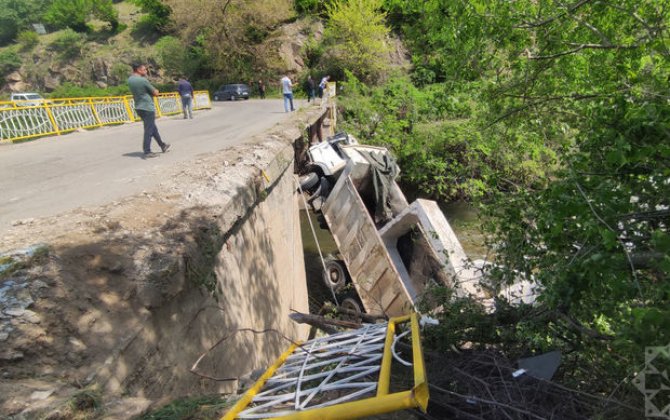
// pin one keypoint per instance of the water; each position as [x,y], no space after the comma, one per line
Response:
[464,220]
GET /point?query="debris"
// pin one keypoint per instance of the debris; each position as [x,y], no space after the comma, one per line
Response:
[543,366]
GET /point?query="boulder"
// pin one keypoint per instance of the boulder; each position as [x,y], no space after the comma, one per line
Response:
[101,84]
[18,86]
[100,69]
[71,74]
[51,82]
[14,77]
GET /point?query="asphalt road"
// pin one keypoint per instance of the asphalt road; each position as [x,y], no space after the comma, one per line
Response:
[48,176]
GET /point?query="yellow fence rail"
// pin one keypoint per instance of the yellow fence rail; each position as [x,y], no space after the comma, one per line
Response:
[20,120]
[333,377]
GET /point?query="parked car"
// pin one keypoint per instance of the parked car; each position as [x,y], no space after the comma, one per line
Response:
[27,99]
[232,92]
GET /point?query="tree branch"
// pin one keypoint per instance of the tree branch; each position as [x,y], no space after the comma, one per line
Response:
[571,9]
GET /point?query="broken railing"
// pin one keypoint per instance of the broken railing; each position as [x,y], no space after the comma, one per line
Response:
[343,375]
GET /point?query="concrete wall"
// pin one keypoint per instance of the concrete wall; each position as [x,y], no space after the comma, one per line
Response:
[242,238]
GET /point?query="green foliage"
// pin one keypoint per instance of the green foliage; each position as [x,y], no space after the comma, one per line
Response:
[17,15]
[312,7]
[179,59]
[69,90]
[557,116]
[442,151]
[9,60]
[105,11]
[68,44]
[157,17]
[119,72]
[71,14]
[75,14]
[356,39]
[28,40]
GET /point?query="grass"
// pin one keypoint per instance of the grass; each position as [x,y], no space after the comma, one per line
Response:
[195,408]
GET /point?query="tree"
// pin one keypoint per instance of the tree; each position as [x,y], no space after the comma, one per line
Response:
[75,14]
[233,32]
[588,82]
[356,39]
[158,14]
[17,15]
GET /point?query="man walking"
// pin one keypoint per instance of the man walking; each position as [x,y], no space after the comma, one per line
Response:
[143,93]
[310,88]
[287,90]
[186,92]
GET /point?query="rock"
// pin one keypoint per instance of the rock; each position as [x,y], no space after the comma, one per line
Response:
[37,285]
[14,77]
[32,317]
[71,73]
[101,85]
[100,69]
[4,336]
[16,312]
[42,395]
[18,86]
[51,82]
[11,356]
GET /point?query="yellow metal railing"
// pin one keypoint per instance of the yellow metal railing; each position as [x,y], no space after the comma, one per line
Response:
[383,402]
[21,120]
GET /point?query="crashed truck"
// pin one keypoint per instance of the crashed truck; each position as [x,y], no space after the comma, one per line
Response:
[392,251]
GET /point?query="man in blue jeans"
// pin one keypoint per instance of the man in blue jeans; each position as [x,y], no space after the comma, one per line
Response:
[186,92]
[287,90]
[143,93]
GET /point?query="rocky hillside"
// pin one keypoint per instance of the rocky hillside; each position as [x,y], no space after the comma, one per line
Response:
[102,59]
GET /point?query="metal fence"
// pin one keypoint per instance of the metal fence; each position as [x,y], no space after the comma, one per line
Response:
[56,116]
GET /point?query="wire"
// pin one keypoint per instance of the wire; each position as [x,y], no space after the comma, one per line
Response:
[316,240]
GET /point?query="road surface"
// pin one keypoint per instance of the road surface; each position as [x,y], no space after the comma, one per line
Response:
[48,176]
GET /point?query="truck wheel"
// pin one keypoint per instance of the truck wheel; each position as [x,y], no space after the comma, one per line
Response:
[309,181]
[354,309]
[335,275]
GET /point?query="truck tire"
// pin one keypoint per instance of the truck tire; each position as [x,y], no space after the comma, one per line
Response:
[309,182]
[353,305]
[335,276]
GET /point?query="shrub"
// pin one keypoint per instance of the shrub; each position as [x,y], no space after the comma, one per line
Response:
[28,40]
[119,72]
[69,90]
[9,61]
[68,44]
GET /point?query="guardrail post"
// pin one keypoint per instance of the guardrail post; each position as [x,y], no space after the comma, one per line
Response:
[47,107]
[129,110]
[95,112]
[158,107]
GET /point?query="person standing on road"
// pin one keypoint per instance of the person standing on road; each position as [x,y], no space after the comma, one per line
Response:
[261,89]
[143,93]
[186,92]
[287,90]
[310,88]
[322,85]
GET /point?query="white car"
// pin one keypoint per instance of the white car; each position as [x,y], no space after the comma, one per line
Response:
[27,99]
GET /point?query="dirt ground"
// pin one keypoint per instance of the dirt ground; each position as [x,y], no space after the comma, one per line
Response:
[74,287]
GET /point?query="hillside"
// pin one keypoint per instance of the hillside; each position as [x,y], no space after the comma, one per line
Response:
[64,62]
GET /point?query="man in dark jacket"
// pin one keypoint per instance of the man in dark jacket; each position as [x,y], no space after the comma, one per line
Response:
[186,92]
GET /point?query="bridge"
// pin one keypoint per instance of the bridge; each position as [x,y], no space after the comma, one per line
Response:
[53,174]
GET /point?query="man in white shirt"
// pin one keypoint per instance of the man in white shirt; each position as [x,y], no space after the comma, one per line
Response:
[287,90]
